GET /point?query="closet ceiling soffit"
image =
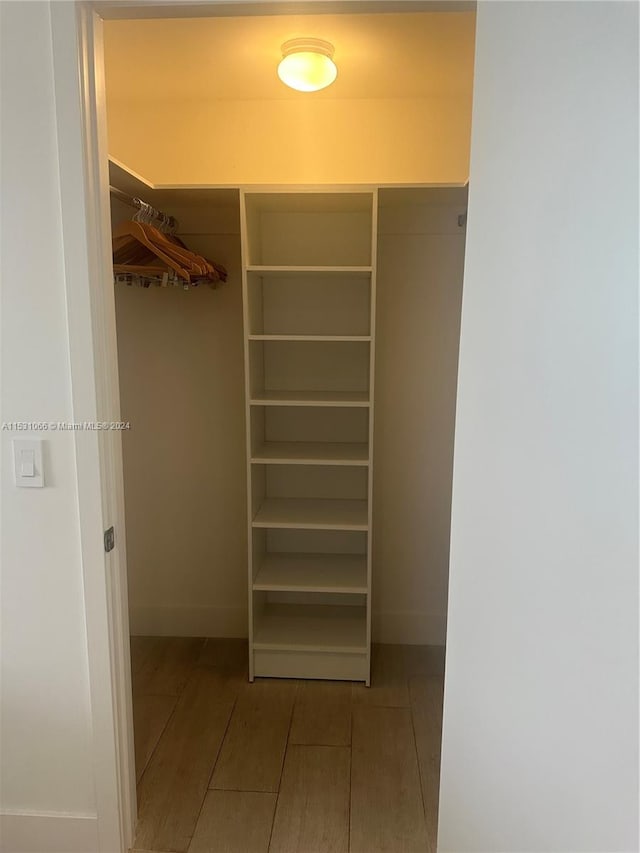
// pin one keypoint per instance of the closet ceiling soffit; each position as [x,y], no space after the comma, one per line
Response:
[394,55]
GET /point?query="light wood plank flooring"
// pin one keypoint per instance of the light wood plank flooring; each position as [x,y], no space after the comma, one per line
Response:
[284,766]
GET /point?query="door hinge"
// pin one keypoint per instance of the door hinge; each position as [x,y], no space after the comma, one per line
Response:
[109,539]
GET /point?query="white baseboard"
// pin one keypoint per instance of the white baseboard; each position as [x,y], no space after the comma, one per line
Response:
[410,627]
[33,832]
[188,621]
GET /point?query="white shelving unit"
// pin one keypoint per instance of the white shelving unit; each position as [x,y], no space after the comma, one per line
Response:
[309,275]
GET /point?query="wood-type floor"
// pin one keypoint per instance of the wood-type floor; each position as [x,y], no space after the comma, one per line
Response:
[284,766]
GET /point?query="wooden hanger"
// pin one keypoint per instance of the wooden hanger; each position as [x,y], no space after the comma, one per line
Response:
[197,264]
[219,272]
[137,232]
[141,244]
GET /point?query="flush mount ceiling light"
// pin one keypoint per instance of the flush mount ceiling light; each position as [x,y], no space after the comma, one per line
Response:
[307,64]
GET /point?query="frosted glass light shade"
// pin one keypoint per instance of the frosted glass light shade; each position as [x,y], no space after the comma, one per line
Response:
[307,64]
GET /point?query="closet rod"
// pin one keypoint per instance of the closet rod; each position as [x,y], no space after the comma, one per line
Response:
[132,201]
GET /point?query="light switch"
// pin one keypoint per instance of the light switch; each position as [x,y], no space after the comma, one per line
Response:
[27,459]
[27,463]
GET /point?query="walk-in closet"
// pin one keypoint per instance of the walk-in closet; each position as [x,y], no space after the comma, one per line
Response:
[288,273]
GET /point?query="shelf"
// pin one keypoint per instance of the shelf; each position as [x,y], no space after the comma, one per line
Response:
[307,627]
[310,398]
[339,338]
[311,453]
[312,514]
[279,271]
[346,573]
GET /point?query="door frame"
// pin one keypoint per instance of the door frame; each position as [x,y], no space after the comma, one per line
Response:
[78,71]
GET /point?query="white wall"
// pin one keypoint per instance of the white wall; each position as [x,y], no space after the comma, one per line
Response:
[540,744]
[46,729]
[182,389]
[420,264]
[399,111]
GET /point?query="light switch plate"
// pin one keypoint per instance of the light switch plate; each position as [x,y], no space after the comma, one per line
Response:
[27,463]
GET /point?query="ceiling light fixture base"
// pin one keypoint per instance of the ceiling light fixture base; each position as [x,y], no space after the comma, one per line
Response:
[308,45]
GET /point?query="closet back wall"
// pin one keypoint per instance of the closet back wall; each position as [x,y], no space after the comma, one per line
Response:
[420,269]
[181,379]
[181,384]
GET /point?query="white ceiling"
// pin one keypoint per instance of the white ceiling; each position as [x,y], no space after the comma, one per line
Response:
[391,55]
